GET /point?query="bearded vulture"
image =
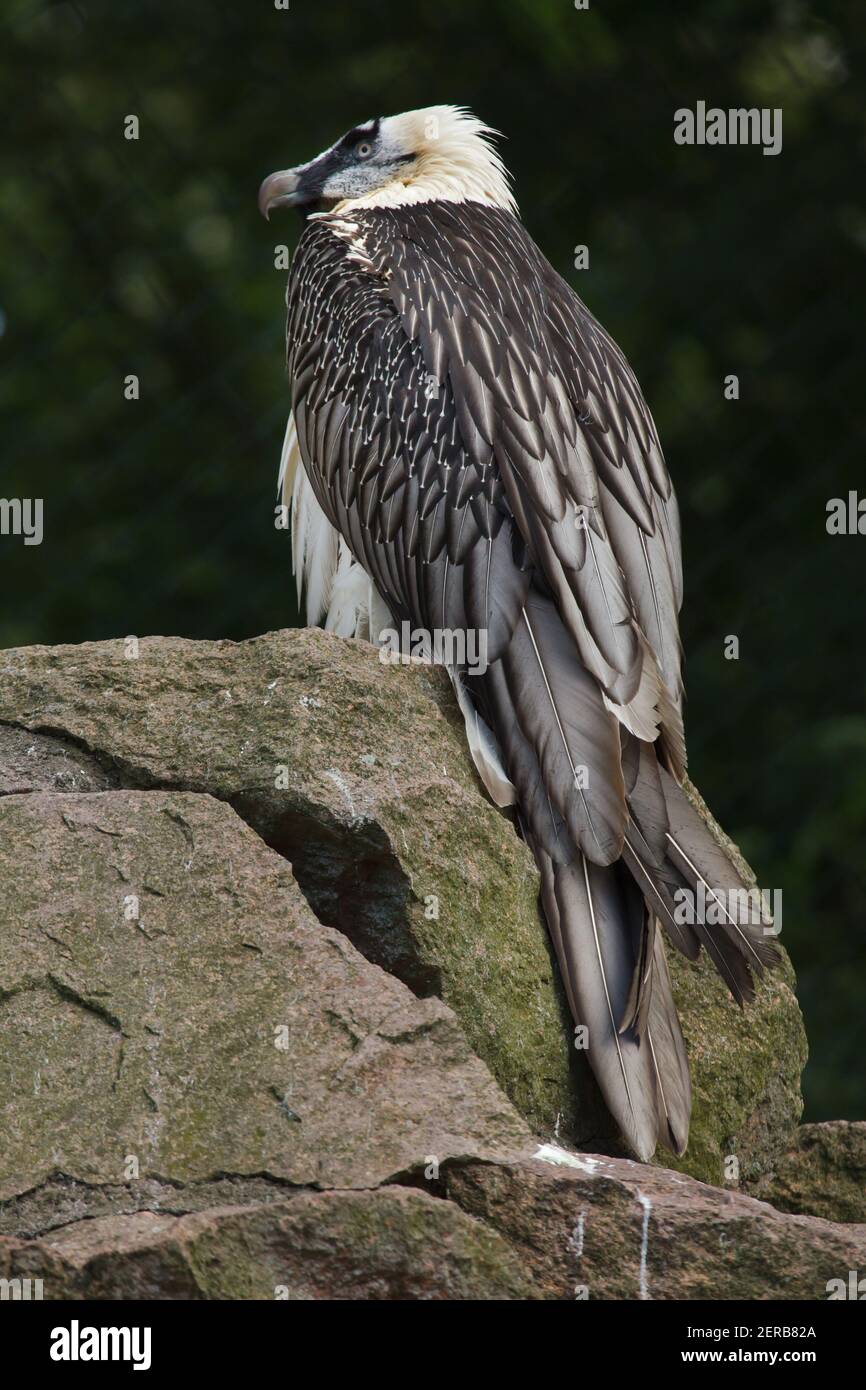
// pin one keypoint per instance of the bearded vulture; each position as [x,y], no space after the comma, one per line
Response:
[469,450]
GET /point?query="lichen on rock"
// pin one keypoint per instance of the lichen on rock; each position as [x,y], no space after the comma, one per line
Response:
[283,1008]
[356,771]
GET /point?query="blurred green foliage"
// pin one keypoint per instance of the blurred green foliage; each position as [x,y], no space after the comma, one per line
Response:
[149,257]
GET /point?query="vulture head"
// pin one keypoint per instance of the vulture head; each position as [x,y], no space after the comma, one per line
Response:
[439,152]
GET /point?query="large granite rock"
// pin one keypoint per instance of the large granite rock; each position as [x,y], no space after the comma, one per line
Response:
[210,1087]
[594,1227]
[394,1243]
[356,772]
[822,1173]
[178,1012]
[551,1225]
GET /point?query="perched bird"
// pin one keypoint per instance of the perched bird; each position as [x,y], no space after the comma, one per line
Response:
[470,451]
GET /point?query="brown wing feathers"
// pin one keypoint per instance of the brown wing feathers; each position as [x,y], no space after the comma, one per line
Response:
[485,451]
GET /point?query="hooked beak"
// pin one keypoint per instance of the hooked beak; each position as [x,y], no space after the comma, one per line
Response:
[281,190]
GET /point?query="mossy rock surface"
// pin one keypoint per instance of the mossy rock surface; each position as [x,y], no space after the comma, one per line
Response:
[604,1228]
[356,772]
[286,1022]
[180,1015]
[393,1243]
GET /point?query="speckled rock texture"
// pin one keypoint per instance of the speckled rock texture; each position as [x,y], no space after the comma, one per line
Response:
[595,1227]
[279,1017]
[394,1243]
[177,1011]
[356,772]
[822,1173]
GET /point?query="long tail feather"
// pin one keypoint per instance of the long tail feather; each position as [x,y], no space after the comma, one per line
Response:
[585,905]
[672,855]
[670,1061]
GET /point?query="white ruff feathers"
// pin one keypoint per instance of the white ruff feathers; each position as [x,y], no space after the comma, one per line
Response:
[454,162]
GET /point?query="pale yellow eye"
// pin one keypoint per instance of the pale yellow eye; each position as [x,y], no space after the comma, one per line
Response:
[364,150]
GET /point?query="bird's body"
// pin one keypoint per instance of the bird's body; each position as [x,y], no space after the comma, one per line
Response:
[470,451]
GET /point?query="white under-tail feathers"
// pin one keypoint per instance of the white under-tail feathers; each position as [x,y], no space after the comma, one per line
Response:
[339,590]
[334,587]
[485,750]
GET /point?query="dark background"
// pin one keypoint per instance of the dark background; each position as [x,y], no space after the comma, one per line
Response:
[150,257]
